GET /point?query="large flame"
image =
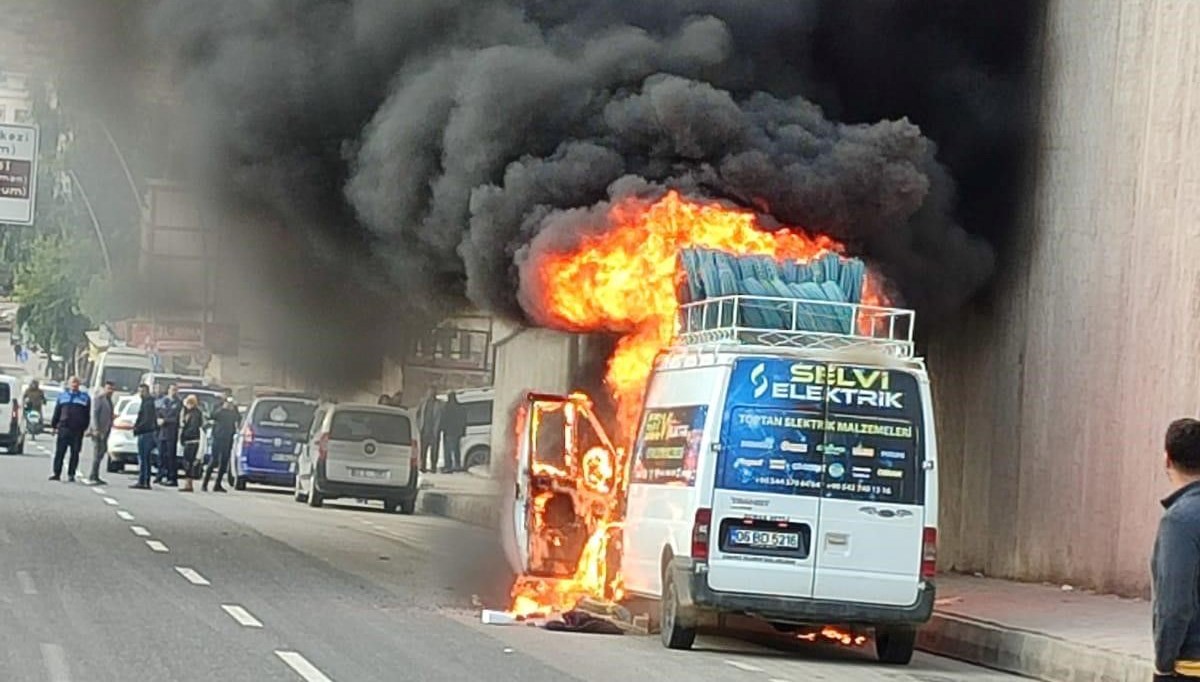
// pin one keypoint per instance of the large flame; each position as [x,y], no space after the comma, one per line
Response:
[624,280]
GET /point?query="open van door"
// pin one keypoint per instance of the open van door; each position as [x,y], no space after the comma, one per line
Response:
[567,479]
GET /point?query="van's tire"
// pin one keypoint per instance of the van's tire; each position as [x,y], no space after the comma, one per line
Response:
[315,498]
[298,492]
[18,448]
[674,635]
[408,506]
[390,506]
[479,456]
[895,644]
[239,483]
[114,467]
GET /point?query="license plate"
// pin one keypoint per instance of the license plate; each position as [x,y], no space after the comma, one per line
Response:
[763,539]
[370,473]
[283,457]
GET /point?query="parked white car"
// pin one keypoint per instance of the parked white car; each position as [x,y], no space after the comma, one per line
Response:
[122,444]
[366,452]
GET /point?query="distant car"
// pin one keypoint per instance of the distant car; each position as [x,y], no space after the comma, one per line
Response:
[12,435]
[18,372]
[122,444]
[8,319]
[476,443]
[366,452]
[272,433]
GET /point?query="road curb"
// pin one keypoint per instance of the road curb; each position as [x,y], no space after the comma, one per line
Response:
[1028,653]
[477,510]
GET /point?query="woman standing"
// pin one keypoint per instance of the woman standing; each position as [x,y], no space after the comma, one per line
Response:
[191,421]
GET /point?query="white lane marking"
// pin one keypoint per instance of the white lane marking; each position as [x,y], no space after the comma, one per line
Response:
[124,515]
[192,576]
[100,491]
[111,501]
[140,531]
[157,546]
[303,668]
[56,663]
[26,581]
[744,666]
[242,616]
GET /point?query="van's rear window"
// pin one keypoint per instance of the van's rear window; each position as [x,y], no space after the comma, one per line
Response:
[284,414]
[835,431]
[393,429]
[5,395]
[124,379]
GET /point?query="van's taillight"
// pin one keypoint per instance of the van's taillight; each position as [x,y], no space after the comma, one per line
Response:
[700,534]
[323,447]
[929,554]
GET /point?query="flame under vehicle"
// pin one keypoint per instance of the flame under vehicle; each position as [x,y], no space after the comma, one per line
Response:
[781,469]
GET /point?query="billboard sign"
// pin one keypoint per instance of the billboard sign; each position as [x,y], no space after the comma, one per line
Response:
[18,173]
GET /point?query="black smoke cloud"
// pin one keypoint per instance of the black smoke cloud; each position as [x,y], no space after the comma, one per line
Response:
[412,155]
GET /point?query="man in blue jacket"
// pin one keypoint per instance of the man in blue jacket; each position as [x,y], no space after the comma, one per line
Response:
[1176,563]
[72,416]
[169,408]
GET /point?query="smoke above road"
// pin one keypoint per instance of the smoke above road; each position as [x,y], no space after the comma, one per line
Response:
[402,157]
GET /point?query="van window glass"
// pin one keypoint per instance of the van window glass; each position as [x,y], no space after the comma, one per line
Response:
[770,450]
[478,413]
[5,394]
[393,429]
[669,445]
[293,415]
[125,379]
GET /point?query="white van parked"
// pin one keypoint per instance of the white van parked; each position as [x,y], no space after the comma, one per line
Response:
[781,473]
[122,366]
[476,443]
[12,433]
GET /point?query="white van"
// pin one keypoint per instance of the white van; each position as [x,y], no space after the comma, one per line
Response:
[476,443]
[124,367]
[12,432]
[784,474]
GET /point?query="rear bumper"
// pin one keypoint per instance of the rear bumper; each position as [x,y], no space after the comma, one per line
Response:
[266,476]
[696,598]
[366,491]
[10,438]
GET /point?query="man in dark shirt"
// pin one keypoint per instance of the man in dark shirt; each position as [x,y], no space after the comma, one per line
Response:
[72,416]
[145,429]
[225,425]
[169,408]
[1176,563]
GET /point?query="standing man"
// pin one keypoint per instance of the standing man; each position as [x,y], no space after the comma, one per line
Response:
[225,424]
[427,417]
[145,429]
[1176,563]
[72,416]
[102,421]
[169,407]
[453,425]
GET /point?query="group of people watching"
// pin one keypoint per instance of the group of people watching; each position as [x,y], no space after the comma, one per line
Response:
[165,423]
[445,424]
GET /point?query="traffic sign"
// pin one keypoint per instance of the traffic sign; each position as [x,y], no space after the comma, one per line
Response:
[18,173]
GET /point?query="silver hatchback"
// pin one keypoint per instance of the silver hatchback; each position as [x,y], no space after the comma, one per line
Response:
[366,452]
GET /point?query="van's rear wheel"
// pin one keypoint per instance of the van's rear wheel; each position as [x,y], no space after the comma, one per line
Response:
[239,483]
[298,492]
[315,498]
[674,634]
[390,506]
[895,644]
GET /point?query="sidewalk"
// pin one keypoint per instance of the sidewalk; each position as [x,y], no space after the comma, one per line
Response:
[1039,631]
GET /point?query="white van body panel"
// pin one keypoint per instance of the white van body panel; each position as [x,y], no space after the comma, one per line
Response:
[860,551]
[10,428]
[131,359]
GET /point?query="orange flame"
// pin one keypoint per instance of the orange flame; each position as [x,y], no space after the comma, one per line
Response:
[624,279]
[834,635]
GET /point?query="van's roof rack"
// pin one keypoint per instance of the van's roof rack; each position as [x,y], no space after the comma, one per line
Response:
[795,323]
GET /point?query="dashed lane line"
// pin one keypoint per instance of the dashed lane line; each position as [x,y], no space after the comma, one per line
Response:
[111,502]
[26,580]
[140,531]
[745,667]
[307,671]
[192,576]
[157,546]
[55,660]
[241,615]
[100,491]
[124,515]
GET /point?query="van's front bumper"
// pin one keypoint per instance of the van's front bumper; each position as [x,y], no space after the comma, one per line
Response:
[696,598]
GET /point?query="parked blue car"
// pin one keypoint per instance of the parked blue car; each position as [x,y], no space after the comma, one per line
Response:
[272,433]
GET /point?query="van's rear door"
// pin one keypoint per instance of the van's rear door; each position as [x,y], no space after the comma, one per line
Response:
[766,495]
[869,538]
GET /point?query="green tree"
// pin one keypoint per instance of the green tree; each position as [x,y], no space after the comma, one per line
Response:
[48,288]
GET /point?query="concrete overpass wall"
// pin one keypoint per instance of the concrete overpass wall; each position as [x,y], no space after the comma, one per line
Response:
[1053,401]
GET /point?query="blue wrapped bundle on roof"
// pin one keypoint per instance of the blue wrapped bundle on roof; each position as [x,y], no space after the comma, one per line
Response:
[707,274]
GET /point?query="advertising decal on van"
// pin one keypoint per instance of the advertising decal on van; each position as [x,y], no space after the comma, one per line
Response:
[670,443]
[835,431]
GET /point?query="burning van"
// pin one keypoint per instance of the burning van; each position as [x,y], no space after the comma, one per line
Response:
[782,466]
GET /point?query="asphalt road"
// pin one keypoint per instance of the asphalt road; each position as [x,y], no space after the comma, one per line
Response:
[113,584]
